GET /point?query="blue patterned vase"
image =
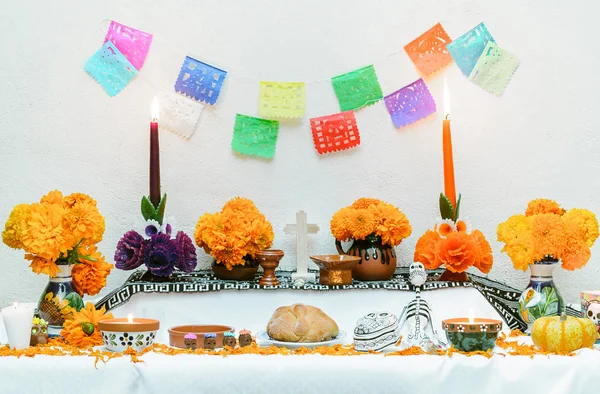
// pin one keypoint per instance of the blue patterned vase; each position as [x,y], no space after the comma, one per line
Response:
[541,297]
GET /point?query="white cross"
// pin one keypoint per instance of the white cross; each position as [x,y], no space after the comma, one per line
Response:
[302,229]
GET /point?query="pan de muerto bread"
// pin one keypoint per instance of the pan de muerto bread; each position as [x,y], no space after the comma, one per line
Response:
[301,323]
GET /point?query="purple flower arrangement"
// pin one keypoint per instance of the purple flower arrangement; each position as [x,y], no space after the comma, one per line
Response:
[158,251]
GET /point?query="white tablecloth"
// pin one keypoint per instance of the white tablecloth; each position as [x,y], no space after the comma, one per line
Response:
[298,374]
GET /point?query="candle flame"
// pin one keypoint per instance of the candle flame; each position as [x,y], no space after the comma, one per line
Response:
[154,109]
[471,316]
[130,318]
[446,99]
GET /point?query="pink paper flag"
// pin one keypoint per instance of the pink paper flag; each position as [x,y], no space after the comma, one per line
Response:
[132,43]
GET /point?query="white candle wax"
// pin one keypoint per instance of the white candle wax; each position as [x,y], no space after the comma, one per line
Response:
[17,322]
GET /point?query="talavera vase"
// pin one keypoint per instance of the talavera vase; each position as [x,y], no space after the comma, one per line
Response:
[541,297]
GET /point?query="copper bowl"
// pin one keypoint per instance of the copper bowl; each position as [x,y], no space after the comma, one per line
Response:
[177,333]
[336,269]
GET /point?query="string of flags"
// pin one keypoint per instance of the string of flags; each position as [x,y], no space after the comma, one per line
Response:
[476,53]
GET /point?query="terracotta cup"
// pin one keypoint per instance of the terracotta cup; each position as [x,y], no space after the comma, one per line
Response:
[335,269]
[269,260]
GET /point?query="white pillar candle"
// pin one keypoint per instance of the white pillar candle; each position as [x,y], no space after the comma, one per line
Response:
[17,322]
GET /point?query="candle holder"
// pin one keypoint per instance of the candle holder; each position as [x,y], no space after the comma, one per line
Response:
[269,260]
[467,336]
[122,333]
[18,319]
[335,269]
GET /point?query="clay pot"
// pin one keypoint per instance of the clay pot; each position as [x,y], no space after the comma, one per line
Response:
[177,334]
[378,261]
[238,272]
[269,260]
[335,269]
[448,276]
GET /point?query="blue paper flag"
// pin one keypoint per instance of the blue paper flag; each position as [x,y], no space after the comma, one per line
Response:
[467,49]
[200,81]
[110,69]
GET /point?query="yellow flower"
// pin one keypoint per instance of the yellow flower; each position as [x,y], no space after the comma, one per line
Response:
[53,197]
[543,205]
[339,224]
[62,305]
[40,265]
[13,228]
[583,224]
[82,330]
[45,234]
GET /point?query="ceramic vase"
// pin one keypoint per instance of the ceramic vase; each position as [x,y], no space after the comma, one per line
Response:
[58,300]
[378,261]
[541,297]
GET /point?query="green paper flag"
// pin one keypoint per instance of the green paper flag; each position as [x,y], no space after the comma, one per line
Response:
[357,89]
[254,136]
[494,69]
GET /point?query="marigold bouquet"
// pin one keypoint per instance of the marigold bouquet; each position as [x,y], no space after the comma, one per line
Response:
[548,232]
[155,248]
[61,230]
[81,330]
[234,234]
[450,244]
[368,216]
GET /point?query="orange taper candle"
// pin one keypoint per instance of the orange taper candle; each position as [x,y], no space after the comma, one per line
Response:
[449,187]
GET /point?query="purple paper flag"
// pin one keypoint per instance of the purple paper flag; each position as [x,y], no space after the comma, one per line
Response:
[132,43]
[200,81]
[409,104]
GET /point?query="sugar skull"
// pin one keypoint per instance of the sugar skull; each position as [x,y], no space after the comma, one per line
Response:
[417,274]
[245,338]
[210,341]
[39,332]
[592,312]
[229,339]
[190,341]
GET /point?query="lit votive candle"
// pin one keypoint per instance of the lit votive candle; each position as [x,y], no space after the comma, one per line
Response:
[469,334]
[17,322]
[121,333]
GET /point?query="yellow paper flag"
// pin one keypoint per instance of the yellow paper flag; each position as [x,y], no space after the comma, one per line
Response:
[281,99]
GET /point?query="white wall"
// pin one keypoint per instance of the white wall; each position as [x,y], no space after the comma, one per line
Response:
[58,129]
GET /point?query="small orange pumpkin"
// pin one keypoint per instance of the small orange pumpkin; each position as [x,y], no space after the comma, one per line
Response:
[563,334]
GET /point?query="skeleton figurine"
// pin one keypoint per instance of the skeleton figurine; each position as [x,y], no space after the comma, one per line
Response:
[416,325]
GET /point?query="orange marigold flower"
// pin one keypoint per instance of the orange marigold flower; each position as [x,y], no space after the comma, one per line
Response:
[484,259]
[362,223]
[364,203]
[426,250]
[582,224]
[575,254]
[41,265]
[339,225]
[82,330]
[543,205]
[457,252]
[45,234]
[85,222]
[53,197]
[547,230]
[77,198]
[445,228]
[392,225]
[461,225]
[13,228]
[89,277]
[239,230]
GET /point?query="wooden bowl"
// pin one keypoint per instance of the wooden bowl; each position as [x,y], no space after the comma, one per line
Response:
[336,269]
[177,333]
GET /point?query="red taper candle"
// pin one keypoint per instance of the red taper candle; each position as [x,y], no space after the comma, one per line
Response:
[154,157]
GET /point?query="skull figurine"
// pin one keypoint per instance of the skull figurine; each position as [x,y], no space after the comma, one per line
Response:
[592,312]
[210,341]
[245,338]
[190,341]
[229,339]
[39,332]
[375,331]
[417,274]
